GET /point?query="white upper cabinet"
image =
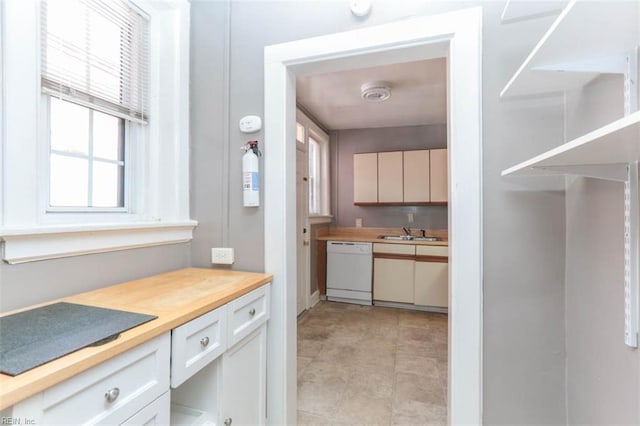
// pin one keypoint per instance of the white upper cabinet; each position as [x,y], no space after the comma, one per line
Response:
[417,187]
[439,176]
[390,177]
[365,178]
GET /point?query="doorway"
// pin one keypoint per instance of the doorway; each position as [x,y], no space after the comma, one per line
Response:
[457,36]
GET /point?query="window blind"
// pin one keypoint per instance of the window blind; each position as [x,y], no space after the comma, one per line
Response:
[95,53]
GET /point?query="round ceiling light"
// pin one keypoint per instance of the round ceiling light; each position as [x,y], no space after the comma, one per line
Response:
[376,91]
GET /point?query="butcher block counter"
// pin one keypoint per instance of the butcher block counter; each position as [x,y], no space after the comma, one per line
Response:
[175,298]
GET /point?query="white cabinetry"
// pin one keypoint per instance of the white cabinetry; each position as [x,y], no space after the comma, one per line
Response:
[244,364]
[244,381]
[365,178]
[216,365]
[230,384]
[109,393]
[431,279]
[411,274]
[417,177]
[393,272]
[390,177]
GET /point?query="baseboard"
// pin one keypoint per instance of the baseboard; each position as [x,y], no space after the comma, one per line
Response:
[411,307]
[314,298]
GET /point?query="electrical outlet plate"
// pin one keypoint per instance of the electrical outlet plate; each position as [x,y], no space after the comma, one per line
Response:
[222,256]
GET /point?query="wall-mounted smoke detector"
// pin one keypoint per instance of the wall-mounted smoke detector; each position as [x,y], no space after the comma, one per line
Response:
[376,91]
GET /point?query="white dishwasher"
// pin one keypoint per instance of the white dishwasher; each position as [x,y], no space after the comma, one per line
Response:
[349,272]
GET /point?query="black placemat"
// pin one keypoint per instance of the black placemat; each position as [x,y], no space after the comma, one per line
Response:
[34,337]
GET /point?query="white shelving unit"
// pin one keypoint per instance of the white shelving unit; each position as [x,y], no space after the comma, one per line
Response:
[603,153]
[571,53]
[518,10]
[574,50]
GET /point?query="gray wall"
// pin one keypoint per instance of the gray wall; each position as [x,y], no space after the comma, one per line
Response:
[36,282]
[523,228]
[603,374]
[345,143]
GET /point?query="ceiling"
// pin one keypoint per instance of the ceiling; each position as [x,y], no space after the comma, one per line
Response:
[418,96]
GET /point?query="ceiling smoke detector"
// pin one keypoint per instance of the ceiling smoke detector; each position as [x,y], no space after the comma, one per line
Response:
[376,91]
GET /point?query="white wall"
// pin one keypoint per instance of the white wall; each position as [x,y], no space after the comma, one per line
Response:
[603,374]
[523,228]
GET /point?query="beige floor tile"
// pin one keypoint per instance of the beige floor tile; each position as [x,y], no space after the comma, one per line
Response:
[415,364]
[418,413]
[364,409]
[413,387]
[319,398]
[307,419]
[371,365]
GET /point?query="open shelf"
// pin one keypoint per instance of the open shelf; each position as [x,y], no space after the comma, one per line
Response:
[604,152]
[518,10]
[585,40]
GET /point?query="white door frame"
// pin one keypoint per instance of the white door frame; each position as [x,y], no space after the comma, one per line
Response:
[456,35]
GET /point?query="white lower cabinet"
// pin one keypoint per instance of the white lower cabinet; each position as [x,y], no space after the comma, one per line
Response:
[109,393]
[244,381]
[230,387]
[431,276]
[393,272]
[155,414]
[216,365]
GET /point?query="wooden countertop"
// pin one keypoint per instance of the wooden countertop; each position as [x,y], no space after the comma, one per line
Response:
[370,235]
[175,297]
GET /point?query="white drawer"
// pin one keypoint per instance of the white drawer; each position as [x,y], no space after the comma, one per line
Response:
[247,313]
[138,377]
[197,343]
[432,250]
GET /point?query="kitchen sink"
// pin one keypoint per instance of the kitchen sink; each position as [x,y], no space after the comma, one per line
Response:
[407,238]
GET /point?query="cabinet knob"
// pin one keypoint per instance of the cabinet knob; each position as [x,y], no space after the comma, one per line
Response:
[228,421]
[204,341]
[112,394]
[252,311]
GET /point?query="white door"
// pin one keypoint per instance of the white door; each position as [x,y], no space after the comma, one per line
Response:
[302,227]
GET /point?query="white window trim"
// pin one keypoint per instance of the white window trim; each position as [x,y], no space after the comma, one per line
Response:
[312,130]
[160,213]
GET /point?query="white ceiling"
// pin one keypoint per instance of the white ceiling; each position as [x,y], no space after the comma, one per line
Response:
[418,96]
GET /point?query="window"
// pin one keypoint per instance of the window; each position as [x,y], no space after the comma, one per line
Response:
[94,77]
[93,114]
[317,148]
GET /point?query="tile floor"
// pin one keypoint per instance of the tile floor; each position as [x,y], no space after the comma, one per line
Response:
[364,365]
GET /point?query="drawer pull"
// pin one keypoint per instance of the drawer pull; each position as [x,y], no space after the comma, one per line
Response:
[112,394]
[228,421]
[204,341]
[252,311]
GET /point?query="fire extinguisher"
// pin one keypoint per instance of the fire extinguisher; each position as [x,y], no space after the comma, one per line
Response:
[250,175]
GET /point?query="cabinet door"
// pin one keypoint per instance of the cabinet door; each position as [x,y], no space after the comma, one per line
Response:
[439,175]
[390,177]
[156,413]
[365,178]
[393,280]
[432,284]
[244,372]
[416,176]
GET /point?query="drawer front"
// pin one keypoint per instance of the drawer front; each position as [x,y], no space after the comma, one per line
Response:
[432,250]
[113,391]
[197,343]
[155,414]
[247,313]
[407,249]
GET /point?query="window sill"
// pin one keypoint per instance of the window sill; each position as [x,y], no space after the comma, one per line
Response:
[50,242]
[317,220]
